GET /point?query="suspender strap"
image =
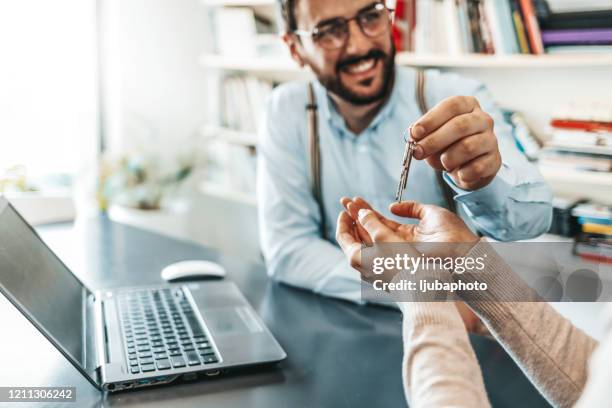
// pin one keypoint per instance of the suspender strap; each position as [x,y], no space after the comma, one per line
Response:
[315,157]
[447,192]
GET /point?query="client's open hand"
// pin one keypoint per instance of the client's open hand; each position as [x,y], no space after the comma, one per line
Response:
[436,224]
[360,225]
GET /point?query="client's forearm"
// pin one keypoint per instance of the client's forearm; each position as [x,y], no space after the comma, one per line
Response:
[552,351]
[440,368]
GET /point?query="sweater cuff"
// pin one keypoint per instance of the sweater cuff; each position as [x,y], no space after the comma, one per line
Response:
[504,287]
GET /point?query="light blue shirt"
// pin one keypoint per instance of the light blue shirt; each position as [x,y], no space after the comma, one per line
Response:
[515,205]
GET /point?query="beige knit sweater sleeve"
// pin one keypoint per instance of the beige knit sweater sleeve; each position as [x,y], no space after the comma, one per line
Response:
[440,368]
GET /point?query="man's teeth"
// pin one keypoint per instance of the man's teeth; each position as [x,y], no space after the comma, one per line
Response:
[362,66]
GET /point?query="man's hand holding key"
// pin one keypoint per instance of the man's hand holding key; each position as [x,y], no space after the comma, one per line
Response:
[457,136]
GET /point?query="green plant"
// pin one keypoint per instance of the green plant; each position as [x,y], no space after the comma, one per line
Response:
[139,180]
[14,180]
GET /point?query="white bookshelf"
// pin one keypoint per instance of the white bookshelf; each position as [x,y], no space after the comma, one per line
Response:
[531,84]
[220,191]
[483,61]
[285,65]
[249,64]
[247,139]
[276,69]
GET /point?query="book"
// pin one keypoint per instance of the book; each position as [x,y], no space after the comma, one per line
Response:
[553,158]
[597,229]
[244,100]
[560,6]
[578,20]
[533,27]
[453,33]
[401,26]
[577,36]
[591,126]
[582,138]
[592,220]
[578,148]
[473,10]
[439,31]
[525,139]
[464,26]
[577,163]
[598,111]
[519,27]
[595,221]
[593,210]
[485,29]
[594,238]
[578,137]
[423,27]
[596,252]
[507,27]
[579,49]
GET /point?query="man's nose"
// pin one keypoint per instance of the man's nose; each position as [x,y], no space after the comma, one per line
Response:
[357,42]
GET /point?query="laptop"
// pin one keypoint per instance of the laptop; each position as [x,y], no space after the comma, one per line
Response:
[131,337]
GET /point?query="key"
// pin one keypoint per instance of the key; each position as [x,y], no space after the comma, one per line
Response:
[163,364]
[210,359]
[406,161]
[192,358]
[178,362]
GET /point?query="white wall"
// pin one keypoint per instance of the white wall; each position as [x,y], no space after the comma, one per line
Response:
[48,100]
[155,91]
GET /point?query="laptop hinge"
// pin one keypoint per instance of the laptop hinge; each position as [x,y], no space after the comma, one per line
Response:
[100,333]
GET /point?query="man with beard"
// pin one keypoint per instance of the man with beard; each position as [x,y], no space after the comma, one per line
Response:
[364,105]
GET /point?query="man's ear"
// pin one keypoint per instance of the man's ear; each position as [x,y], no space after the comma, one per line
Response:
[294,48]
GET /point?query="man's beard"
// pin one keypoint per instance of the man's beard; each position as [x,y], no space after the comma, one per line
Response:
[334,85]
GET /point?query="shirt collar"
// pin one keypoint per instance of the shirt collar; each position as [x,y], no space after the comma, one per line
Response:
[329,112]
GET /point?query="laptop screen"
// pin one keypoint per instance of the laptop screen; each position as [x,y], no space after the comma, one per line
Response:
[41,285]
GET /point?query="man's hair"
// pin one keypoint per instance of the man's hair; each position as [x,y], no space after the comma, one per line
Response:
[287,12]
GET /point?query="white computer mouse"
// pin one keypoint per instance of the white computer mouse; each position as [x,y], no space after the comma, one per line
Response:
[192,270]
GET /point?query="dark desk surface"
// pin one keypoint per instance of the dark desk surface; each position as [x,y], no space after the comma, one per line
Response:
[339,354]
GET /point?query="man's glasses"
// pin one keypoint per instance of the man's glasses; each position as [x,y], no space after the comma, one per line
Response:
[333,34]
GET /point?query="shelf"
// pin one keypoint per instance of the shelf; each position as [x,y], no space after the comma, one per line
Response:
[286,65]
[593,185]
[248,139]
[225,193]
[509,61]
[251,64]
[606,150]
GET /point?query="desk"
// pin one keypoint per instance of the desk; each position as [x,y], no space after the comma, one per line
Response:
[339,354]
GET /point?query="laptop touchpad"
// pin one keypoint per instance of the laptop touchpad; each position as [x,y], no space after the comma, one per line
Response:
[232,321]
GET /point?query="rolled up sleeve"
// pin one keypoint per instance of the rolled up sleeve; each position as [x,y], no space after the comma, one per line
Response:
[517,204]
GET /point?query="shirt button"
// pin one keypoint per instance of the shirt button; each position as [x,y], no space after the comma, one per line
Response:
[362,149]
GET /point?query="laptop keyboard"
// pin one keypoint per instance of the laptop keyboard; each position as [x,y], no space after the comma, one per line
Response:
[161,331]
